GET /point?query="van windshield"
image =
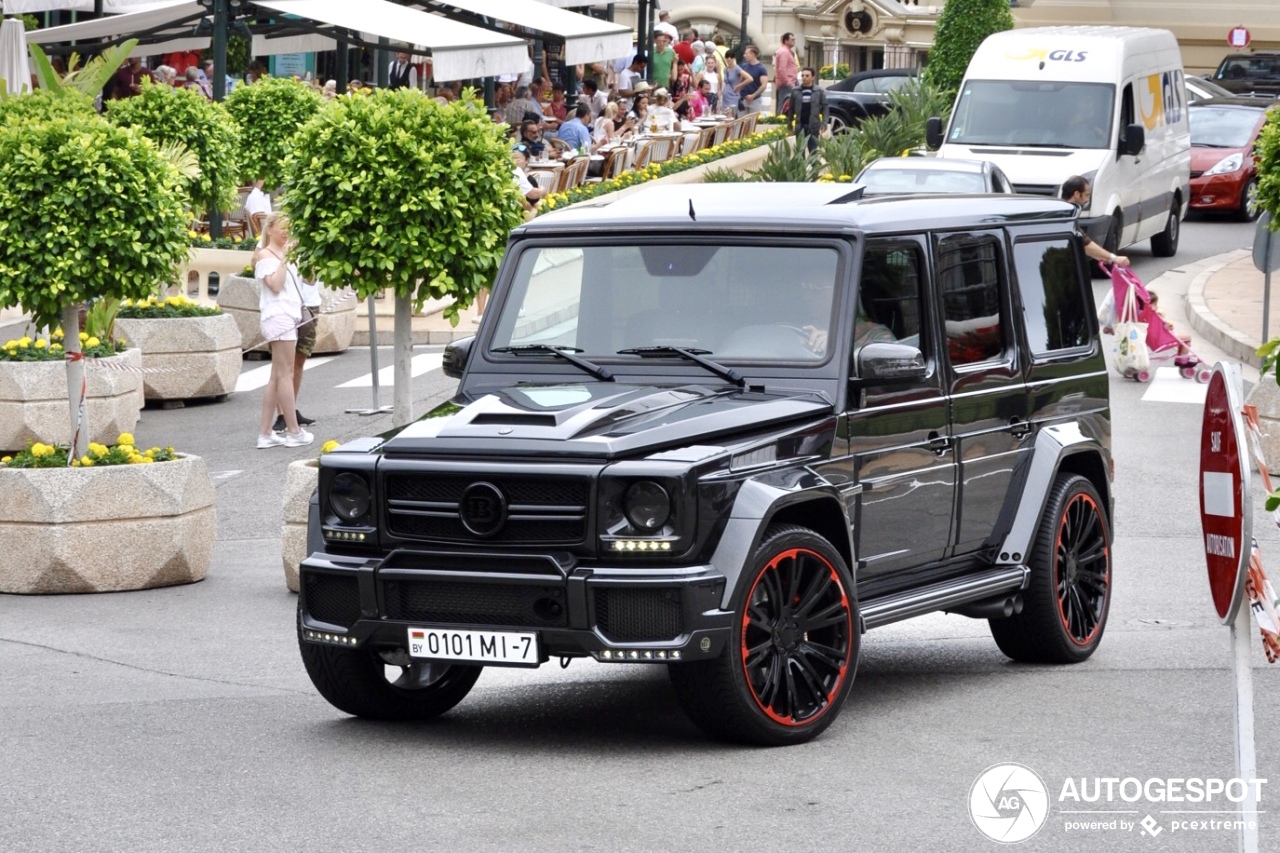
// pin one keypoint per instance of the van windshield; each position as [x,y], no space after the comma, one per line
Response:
[1033,114]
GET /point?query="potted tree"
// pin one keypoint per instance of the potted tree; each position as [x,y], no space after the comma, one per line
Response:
[424,212]
[92,211]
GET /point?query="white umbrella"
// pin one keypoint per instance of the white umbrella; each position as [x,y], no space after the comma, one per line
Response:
[15,68]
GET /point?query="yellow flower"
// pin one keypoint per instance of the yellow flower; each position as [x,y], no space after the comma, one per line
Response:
[75,463]
[41,344]
[55,346]
[84,336]
[24,343]
[40,450]
[206,238]
[192,234]
[57,333]
[5,460]
[97,449]
[329,446]
[86,462]
[125,438]
[92,342]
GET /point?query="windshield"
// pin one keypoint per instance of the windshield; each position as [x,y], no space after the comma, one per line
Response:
[1223,127]
[888,180]
[727,302]
[1048,115]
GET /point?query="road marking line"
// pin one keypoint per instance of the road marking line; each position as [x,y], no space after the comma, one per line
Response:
[1168,386]
[251,380]
[421,364]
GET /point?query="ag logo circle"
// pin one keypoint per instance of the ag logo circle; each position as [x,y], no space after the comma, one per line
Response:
[1008,803]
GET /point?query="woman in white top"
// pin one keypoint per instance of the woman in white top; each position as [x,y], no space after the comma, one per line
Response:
[280,314]
[607,127]
[711,73]
[662,118]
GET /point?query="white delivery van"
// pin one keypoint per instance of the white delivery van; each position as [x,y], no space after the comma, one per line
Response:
[1107,103]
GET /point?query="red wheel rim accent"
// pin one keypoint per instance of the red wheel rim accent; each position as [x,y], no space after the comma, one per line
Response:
[796,637]
[1082,569]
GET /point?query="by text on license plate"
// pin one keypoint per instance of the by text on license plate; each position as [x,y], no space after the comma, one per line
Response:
[476,646]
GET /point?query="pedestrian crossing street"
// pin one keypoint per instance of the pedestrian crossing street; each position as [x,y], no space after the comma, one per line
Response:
[255,378]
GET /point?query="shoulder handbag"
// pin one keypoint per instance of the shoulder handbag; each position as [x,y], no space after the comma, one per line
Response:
[1132,355]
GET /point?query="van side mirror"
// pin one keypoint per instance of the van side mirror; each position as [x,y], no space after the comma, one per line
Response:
[933,133]
[1134,140]
[880,362]
[455,357]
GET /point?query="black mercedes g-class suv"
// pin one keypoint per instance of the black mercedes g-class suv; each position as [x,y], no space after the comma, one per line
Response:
[727,429]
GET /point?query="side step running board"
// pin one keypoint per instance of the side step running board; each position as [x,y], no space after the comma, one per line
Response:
[947,595]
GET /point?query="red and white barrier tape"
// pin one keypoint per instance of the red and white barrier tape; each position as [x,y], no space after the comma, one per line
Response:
[80,409]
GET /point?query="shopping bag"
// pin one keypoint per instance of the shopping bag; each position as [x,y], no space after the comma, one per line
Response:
[1132,355]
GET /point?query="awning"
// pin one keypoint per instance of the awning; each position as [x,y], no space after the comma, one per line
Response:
[23,7]
[155,18]
[458,51]
[586,39]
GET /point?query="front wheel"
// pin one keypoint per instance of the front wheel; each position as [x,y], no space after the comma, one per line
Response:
[790,663]
[1165,244]
[386,685]
[1248,210]
[1069,593]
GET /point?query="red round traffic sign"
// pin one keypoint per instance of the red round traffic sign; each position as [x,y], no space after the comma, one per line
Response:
[1224,487]
[1238,37]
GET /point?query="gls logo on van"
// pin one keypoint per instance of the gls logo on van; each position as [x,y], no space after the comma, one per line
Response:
[1163,102]
[1044,54]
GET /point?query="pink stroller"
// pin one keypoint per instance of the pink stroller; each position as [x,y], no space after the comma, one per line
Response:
[1131,303]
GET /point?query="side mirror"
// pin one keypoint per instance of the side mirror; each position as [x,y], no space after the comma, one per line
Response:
[455,357]
[933,133]
[1134,140]
[877,363]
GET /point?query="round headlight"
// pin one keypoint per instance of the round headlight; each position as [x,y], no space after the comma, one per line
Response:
[349,496]
[647,505]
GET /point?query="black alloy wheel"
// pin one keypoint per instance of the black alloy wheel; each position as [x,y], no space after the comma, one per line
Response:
[791,661]
[1069,594]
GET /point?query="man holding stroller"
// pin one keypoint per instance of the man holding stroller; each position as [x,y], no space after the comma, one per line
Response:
[1078,191]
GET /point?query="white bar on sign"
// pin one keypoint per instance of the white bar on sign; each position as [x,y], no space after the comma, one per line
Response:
[1219,494]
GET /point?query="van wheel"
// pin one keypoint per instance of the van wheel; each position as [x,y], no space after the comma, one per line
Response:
[385,685]
[1165,244]
[789,665]
[1069,594]
[1111,242]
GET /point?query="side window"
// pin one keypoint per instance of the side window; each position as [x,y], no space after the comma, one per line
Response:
[1054,304]
[889,294]
[1127,112]
[972,291]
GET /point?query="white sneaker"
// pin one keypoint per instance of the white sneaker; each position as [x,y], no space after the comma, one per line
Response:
[299,439]
[270,440]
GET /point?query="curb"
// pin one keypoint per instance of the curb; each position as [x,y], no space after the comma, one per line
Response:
[1204,321]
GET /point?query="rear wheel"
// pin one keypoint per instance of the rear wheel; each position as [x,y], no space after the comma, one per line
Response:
[386,685]
[1165,244]
[1069,594]
[789,665]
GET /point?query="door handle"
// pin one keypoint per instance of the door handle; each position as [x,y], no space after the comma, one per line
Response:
[939,444]
[1019,428]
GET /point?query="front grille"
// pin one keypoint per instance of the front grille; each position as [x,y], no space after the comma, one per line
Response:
[332,598]
[434,601]
[632,615]
[538,510]
[1036,189]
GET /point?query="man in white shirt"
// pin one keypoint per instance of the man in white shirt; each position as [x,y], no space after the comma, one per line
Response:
[257,201]
[402,74]
[661,118]
[664,25]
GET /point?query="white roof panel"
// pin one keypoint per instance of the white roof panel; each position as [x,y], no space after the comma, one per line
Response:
[586,39]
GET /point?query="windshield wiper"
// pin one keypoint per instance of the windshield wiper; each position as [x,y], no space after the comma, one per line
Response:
[694,355]
[567,353]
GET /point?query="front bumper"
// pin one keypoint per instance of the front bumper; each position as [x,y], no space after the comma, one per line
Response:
[1217,192]
[614,613]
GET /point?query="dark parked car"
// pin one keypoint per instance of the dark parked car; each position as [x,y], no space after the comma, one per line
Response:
[1257,73]
[864,94]
[913,175]
[688,436]
[1224,174]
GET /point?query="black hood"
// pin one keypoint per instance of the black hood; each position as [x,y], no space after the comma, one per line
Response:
[597,420]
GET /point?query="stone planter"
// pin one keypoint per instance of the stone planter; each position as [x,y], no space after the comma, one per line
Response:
[33,400]
[238,297]
[203,354]
[105,529]
[300,482]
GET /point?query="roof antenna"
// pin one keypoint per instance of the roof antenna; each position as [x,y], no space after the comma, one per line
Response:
[692,215]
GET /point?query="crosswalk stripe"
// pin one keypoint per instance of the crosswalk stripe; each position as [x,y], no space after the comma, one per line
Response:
[1168,386]
[420,364]
[251,380]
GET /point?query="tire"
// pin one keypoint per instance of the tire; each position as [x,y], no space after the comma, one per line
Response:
[786,672]
[1249,201]
[1111,242]
[1069,595]
[838,123]
[1165,244]
[355,681]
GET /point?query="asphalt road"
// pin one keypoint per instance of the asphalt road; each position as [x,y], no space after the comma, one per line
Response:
[182,720]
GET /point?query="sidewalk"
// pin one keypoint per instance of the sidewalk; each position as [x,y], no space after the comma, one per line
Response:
[1224,304]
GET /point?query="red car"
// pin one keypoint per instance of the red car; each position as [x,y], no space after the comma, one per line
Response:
[1224,174]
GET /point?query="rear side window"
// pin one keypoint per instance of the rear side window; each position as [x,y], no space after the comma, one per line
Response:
[1054,301]
[969,278]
